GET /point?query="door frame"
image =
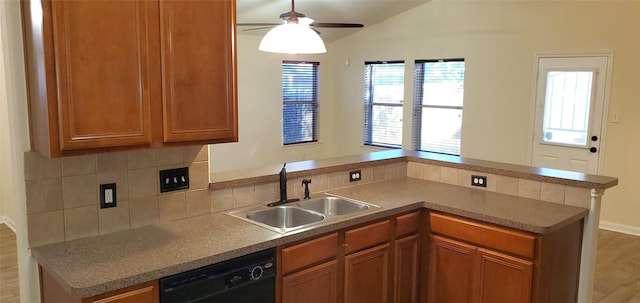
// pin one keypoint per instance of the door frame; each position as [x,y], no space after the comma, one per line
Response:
[605,108]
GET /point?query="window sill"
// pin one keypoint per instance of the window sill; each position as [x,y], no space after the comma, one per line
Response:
[302,145]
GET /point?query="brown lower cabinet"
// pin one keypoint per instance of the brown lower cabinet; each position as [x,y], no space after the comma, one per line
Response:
[52,292]
[367,275]
[476,262]
[407,254]
[465,273]
[398,259]
[318,284]
[372,263]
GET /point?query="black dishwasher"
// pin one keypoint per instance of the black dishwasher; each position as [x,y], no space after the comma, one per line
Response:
[245,279]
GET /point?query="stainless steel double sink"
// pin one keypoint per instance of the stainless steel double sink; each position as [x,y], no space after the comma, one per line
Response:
[301,214]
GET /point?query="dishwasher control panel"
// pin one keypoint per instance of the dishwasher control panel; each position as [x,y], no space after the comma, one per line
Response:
[250,273]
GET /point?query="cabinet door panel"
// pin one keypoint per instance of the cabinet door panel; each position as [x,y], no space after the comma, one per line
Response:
[309,253]
[407,224]
[367,275]
[516,242]
[145,295]
[142,293]
[199,71]
[406,270]
[102,68]
[318,284]
[504,278]
[451,266]
[367,236]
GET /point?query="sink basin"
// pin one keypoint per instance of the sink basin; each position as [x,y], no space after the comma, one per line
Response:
[301,215]
[333,206]
[284,218]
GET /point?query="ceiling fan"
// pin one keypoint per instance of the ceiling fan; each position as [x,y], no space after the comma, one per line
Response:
[296,17]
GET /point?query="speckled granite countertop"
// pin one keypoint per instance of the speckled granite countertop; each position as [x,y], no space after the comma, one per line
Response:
[264,174]
[90,266]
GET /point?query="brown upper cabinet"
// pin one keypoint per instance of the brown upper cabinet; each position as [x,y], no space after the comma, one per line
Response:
[114,75]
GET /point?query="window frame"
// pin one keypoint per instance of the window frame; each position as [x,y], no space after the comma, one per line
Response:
[369,105]
[314,102]
[418,106]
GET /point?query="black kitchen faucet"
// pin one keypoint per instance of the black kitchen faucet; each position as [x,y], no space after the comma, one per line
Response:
[283,189]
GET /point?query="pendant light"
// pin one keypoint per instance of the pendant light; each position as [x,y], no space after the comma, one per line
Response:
[293,37]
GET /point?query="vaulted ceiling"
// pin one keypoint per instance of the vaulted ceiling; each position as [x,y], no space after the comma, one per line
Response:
[367,12]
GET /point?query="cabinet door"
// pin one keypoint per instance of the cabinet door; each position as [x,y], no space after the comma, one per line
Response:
[451,267]
[504,278]
[141,293]
[406,269]
[318,284]
[102,64]
[198,70]
[367,275]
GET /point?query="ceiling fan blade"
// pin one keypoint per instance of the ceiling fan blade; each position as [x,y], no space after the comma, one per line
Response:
[257,28]
[336,25]
[258,24]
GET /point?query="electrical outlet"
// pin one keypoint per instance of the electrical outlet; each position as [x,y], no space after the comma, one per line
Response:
[108,195]
[355,175]
[480,181]
[174,179]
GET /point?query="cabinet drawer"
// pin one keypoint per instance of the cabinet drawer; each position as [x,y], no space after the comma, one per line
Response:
[367,236]
[519,243]
[407,224]
[309,253]
[142,293]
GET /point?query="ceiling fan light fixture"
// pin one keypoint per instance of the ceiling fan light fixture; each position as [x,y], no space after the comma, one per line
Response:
[292,38]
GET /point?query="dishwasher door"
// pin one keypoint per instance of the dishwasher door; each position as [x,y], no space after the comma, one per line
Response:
[247,279]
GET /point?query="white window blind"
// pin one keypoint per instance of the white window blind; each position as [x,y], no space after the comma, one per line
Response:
[299,102]
[439,92]
[383,99]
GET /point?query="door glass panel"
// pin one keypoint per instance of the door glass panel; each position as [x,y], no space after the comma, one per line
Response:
[567,107]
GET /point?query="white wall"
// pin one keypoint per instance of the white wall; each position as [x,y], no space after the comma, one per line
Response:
[5,211]
[8,211]
[260,112]
[499,41]
[14,141]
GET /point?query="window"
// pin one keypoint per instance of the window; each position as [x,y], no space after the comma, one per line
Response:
[299,102]
[383,97]
[567,107]
[437,117]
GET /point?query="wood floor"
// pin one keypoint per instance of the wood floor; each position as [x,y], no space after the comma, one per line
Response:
[9,289]
[617,268]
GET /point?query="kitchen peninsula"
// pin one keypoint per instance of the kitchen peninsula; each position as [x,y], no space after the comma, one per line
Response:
[534,201]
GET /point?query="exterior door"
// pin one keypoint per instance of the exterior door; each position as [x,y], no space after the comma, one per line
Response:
[570,103]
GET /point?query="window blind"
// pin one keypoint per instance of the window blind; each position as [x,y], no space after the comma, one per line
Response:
[383,99]
[299,102]
[438,99]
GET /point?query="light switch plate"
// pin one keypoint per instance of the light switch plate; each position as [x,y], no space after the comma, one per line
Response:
[174,179]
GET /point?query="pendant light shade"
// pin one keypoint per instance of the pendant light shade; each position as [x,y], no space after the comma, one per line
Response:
[292,38]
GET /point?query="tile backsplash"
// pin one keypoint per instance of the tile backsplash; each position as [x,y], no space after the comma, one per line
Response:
[63,194]
[519,187]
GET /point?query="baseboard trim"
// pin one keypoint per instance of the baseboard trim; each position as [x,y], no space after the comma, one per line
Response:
[621,228]
[7,221]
